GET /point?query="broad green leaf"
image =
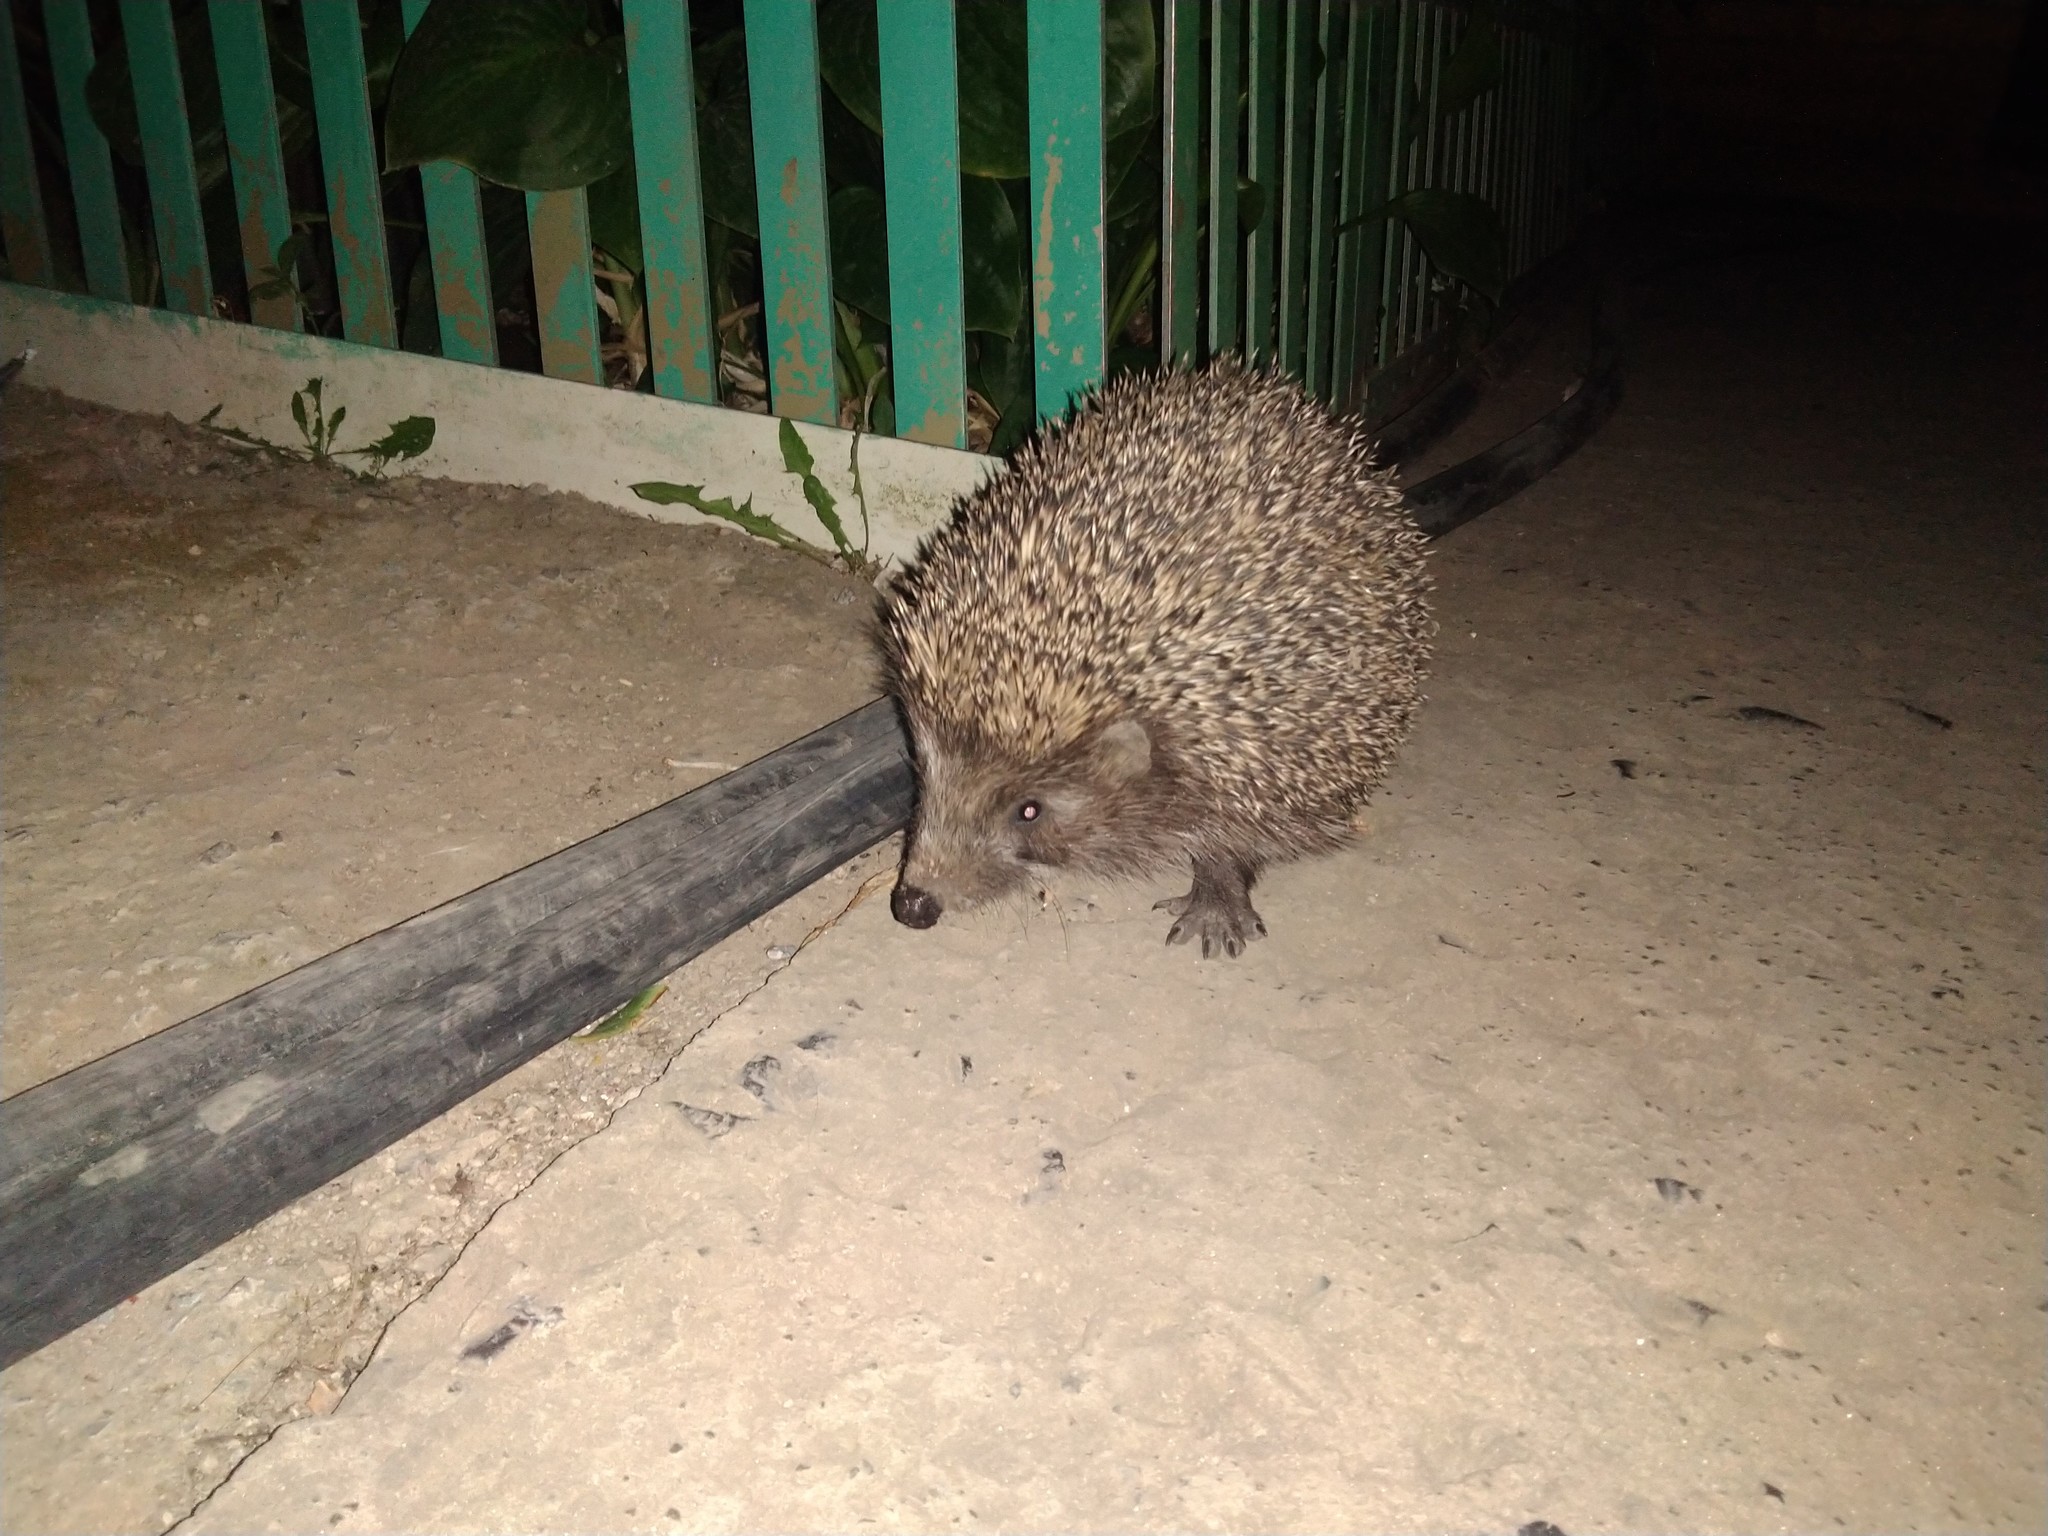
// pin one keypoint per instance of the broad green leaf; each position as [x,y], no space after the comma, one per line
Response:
[995,111]
[407,439]
[725,133]
[1459,231]
[1475,66]
[860,253]
[517,90]
[1251,204]
[992,267]
[614,204]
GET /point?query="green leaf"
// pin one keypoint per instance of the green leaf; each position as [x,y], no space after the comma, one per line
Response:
[407,439]
[725,133]
[1251,205]
[744,516]
[796,458]
[995,110]
[860,252]
[992,259]
[614,204]
[1475,65]
[1459,231]
[299,411]
[623,1019]
[517,90]
[334,426]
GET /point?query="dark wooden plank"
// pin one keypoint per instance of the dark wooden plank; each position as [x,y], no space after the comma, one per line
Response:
[123,1170]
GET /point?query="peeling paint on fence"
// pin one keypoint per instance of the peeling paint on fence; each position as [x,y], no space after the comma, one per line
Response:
[167,156]
[1068,307]
[681,345]
[558,228]
[241,49]
[789,174]
[355,198]
[457,250]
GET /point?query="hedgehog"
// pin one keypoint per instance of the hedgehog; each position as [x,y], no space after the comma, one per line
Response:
[1189,625]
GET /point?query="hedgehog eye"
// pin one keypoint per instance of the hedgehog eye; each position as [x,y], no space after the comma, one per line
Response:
[1029,812]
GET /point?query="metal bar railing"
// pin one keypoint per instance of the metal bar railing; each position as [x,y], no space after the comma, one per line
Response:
[348,153]
[457,252]
[789,179]
[91,162]
[167,155]
[22,224]
[1330,114]
[921,169]
[1066,239]
[248,102]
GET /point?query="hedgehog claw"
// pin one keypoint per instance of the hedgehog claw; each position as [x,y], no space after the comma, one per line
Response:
[1218,910]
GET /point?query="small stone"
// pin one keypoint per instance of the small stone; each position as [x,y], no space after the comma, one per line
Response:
[218,853]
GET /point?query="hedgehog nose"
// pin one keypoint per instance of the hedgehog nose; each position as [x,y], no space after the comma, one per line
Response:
[913,907]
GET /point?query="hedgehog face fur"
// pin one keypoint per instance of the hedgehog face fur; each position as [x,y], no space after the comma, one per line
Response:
[1191,623]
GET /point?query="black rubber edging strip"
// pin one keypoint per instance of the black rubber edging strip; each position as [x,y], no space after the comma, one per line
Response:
[1455,496]
[125,1169]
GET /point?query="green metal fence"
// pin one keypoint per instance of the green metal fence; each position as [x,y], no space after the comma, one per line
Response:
[1292,142]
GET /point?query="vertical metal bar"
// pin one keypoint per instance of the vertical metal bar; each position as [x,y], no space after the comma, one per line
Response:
[1520,152]
[1429,305]
[1067,303]
[355,200]
[1353,179]
[167,155]
[1393,250]
[92,164]
[1262,149]
[1323,195]
[248,105]
[1294,206]
[1415,75]
[457,249]
[564,289]
[660,79]
[23,228]
[1180,142]
[921,176]
[1226,20]
[789,186]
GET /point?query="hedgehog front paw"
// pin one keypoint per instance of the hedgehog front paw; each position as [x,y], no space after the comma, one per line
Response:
[1218,910]
[1218,924]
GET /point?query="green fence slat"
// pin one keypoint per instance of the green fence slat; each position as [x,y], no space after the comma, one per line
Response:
[69,27]
[248,105]
[1294,201]
[23,229]
[1226,23]
[1181,139]
[789,183]
[1393,261]
[355,203]
[1360,190]
[1322,238]
[456,249]
[921,177]
[1068,308]
[1265,93]
[681,335]
[167,155]
[564,291]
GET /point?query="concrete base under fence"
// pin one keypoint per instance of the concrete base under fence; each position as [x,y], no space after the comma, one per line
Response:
[490,424]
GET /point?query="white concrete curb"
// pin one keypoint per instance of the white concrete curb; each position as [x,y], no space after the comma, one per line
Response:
[490,424]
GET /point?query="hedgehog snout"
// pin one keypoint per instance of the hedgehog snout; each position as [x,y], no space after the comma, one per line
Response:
[913,906]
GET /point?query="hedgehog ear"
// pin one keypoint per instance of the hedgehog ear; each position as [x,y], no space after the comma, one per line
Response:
[1124,749]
